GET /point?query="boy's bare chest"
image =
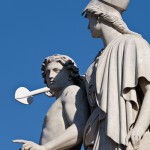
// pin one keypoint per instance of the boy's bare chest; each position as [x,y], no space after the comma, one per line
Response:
[55,118]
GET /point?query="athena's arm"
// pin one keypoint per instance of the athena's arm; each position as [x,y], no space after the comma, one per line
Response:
[143,120]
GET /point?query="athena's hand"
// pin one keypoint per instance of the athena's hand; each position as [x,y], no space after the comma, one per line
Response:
[135,135]
[29,145]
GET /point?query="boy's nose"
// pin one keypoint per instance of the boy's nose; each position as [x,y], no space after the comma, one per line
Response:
[51,74]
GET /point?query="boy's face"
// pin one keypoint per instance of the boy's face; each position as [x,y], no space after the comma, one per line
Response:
[56,76]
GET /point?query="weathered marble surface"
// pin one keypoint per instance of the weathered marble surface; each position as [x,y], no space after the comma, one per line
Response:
[117,82]
[65,120]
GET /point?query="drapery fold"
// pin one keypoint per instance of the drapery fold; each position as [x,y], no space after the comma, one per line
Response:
[122,63]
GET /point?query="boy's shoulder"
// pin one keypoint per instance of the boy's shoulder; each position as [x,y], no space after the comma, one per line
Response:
[71,92]
[72,89]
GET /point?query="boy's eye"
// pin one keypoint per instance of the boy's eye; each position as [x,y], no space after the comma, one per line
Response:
[56,70]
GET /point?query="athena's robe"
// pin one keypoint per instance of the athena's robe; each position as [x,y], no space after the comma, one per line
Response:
[113,91]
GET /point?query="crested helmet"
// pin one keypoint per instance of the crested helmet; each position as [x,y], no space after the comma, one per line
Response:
[119,5]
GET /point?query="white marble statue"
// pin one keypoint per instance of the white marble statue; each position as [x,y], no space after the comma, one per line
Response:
[117,82]
[65,120]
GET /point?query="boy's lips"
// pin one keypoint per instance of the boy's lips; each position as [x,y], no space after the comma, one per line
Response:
[52,82]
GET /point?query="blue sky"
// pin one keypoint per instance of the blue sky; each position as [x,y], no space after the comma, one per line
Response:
[31,30]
